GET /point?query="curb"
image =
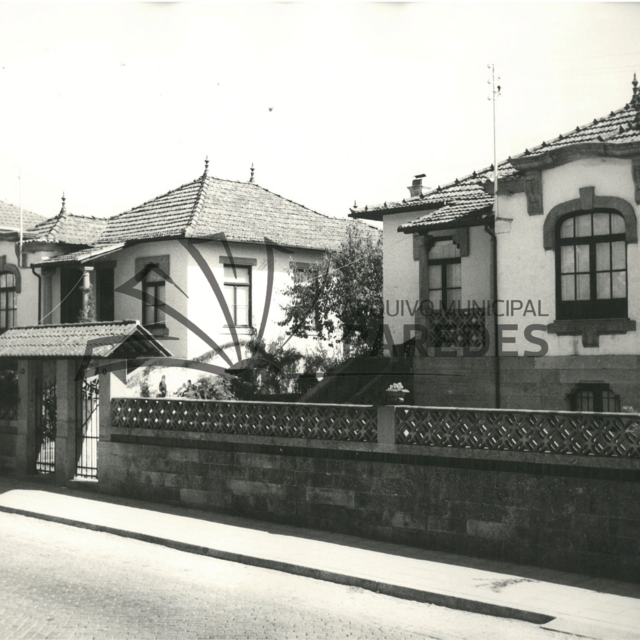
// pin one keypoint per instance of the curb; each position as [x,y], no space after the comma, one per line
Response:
[385,588]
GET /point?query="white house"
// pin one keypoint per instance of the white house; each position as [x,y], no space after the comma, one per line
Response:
[18,285]
[536,307]
[202,267]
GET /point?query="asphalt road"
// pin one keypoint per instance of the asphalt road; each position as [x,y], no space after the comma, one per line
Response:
[62,582]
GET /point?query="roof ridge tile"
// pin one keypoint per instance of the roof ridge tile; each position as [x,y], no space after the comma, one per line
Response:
[197,207]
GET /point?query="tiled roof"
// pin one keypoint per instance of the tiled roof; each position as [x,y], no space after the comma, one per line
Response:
[463,199]
[84,255]
[466,198]
[10,217]
[70,340]
[68,228]
[243,211]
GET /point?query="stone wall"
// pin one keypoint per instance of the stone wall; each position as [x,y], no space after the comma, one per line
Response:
[8,432]
[525,382]
[569,513]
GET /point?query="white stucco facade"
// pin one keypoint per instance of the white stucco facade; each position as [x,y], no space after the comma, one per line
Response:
[191,296]
[400,274]
[526,271]
[27,297]
[204,308]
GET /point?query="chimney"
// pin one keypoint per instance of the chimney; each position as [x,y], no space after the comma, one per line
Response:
[417,189]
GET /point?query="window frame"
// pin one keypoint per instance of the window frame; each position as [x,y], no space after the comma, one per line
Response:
[4,292]
[153,302]
[442,263]
[235,285]
[149,289]
[598,389]
[594,308]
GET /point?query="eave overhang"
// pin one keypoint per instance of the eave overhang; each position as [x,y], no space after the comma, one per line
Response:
[81,257]
[478,218]
[124,339]
[378,213]
[570,153]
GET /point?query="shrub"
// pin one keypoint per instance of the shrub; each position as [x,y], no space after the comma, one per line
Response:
[207,388]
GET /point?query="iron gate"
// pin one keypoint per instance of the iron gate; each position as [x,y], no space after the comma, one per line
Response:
[46,417]
[88,432]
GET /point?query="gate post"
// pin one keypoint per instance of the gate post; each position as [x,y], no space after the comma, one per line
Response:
[113,382]
[66,420]
[386,425]
[26,423]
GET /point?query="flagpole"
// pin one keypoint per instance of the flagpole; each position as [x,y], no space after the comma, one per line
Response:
[495,93]
[21,218]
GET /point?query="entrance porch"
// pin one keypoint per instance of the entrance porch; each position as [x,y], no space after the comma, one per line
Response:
[60,370]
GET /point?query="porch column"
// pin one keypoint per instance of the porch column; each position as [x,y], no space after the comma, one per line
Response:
[88,301]
[26,423]
[66,421]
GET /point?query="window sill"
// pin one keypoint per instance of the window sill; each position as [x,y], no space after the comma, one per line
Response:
[241,331]
[591,330]
[157,330]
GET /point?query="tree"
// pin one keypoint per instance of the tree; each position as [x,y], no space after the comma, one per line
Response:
[340,297]
[268,369]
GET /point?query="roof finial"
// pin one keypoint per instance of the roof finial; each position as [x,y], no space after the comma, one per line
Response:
[251,179]
[63,209]
[635,102]
[206,166]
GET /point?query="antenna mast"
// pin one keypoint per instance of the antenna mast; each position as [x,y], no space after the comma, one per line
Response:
[495,94]
[21,221]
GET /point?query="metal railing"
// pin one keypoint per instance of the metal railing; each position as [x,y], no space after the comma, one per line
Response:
[46,426]
[456,328]
[88,433]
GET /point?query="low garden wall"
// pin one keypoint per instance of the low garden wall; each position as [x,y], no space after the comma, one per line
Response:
[554,489]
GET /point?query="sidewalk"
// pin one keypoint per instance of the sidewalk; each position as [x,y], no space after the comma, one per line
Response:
[603,609]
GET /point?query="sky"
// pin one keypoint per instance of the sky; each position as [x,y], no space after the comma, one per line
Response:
[115,104]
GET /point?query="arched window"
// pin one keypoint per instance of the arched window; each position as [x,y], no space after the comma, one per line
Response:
[8,301]
[591,266]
